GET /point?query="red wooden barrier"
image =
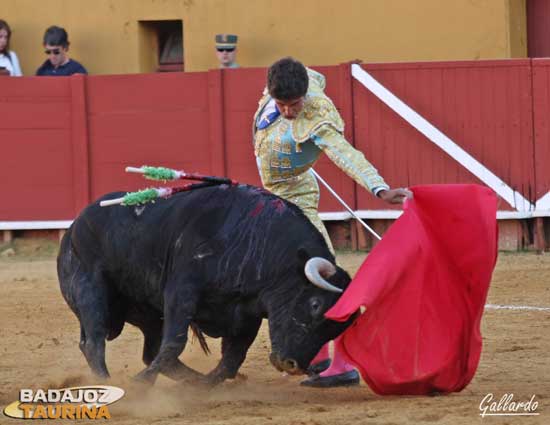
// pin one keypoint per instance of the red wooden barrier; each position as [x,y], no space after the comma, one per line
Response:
[148,119]
[338,80]
[484,107]
[541,101]
[36,171]
[242,89]
[66,141]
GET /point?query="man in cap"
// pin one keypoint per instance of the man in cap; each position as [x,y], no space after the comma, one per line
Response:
[226,50]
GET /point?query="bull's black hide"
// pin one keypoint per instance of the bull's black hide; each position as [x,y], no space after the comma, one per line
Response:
[219,258]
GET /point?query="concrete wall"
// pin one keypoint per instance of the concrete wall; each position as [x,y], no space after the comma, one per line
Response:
[107,38]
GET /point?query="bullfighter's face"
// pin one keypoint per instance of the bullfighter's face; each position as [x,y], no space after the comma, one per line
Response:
[290,108]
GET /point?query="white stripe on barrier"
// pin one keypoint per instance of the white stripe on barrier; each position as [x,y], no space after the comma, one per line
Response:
[31,225]
[515,199]
[325,216]
[394,214]
[543,203]
[515,307]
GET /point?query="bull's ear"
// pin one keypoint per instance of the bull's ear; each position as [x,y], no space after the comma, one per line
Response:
[303,257]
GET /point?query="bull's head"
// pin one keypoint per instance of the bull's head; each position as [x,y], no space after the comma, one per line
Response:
[298,328]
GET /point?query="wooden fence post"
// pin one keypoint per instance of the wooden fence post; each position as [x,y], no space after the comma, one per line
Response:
[7,236]
[80,141]
[538,231]
[346,110]
[216,124]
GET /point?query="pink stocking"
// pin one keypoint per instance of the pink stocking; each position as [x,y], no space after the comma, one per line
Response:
[338,364]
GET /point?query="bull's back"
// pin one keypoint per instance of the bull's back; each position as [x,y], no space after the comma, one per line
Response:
[206,229]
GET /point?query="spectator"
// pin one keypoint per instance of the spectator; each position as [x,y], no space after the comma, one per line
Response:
[226,50]
[56,46]
[9,64]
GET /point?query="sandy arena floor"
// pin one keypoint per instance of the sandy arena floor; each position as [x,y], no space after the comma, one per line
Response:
[39,349]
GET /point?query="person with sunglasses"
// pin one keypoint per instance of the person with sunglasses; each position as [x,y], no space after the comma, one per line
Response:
[56,47]
[9,64]
[226,50]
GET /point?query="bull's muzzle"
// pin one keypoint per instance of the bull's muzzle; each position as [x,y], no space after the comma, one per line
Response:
[289,366]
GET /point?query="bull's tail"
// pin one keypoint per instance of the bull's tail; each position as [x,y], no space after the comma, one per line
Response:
[197,333]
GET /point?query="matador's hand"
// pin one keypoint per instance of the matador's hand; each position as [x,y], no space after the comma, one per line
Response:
[395,196]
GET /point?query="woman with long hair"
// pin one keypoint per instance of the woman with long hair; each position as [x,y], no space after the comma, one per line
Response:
[8,59]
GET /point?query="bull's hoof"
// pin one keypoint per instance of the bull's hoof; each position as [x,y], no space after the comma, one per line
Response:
[145,377]
[346,379]
[317,368]
[212,380]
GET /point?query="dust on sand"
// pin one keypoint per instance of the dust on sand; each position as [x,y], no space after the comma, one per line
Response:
[39,349]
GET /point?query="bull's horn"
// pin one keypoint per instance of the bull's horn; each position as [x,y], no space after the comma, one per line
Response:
[315,267]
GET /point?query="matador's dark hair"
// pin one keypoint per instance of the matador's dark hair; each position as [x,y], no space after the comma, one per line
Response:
[287,79]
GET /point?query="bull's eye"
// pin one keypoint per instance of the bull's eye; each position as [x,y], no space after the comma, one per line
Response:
[316,306]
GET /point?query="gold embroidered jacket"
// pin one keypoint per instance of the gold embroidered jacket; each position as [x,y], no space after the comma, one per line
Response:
[287,148]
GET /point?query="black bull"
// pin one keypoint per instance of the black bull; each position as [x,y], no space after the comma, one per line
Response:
[218,259]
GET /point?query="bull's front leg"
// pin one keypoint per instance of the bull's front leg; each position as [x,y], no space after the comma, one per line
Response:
[180,303]
[234,349]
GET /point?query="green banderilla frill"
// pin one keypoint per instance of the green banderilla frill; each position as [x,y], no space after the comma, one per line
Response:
[164,174]
[140,197]
[159,173]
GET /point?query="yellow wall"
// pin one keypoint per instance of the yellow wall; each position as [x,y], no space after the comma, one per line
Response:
[517,21]
[105,34]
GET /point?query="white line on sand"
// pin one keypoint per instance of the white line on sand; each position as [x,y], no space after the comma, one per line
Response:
[515,307]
